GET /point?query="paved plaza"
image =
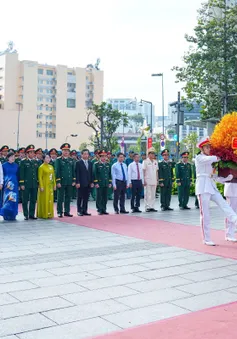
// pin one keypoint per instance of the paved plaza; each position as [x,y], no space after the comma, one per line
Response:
[138,276]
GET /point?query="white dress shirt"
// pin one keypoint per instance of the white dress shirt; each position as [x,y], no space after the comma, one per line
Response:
[133,173]
[205,182]
[1,174]
[117,174]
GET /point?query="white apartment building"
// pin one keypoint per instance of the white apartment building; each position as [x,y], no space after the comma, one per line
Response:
[50,102]
[133,107]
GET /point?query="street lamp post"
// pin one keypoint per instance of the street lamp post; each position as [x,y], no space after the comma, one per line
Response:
[71,135]
[163,104]
[18,124]
[149,102]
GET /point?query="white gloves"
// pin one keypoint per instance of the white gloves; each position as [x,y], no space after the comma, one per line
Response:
[222,180]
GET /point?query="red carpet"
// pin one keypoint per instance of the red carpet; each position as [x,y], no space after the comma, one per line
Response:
[213,323]
[188,237]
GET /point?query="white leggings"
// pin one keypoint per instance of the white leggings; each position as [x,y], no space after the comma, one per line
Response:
[230,226]
[204,200]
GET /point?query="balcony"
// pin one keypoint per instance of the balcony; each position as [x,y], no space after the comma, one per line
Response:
[71,95]
[71,79]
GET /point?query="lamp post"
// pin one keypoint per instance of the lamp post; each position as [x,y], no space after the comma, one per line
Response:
[148,102]
[163,107]
[71,135]
[19,104]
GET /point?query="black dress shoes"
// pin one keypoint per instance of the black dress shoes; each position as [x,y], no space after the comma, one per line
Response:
[88,214]
[60,216]
[187,208]
[33,218]
[105,213]
[124,212]
[80,214]
[68,215]
[169,209]
[116,212]
[26,218]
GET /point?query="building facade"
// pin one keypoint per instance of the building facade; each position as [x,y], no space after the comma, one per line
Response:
[50,102]
[134,109]
[191,119]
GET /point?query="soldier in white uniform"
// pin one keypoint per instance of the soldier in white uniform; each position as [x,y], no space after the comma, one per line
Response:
[150,173]
[206,189]
[230,192]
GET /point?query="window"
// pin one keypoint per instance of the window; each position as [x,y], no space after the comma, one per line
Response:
[49,91]
[71,103]
[40,82]
[40,71]
[49,99]
[40,90]
[49,109]
[69,73]
[40,98]
[49,72]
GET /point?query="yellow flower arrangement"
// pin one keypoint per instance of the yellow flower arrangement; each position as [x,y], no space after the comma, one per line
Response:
[221,139]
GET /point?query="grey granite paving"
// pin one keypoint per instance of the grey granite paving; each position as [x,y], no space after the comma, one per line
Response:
[58,280]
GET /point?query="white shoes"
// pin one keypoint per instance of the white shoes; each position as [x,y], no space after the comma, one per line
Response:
[209,243]
[230,239]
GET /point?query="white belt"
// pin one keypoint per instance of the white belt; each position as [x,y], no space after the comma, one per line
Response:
[205,175]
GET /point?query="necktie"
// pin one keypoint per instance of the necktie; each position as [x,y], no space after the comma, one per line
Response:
[138,172]
[86,163]
[124,177]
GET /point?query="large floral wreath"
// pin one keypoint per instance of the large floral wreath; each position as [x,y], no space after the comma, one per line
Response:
[224,141]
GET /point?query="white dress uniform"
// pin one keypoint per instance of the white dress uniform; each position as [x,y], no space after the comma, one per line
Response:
[150,169]
[206,190]
[230,192]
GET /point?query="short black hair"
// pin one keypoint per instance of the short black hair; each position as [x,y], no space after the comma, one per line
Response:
[85,150]
[45,155]
[120,153]
[136,154]
[10,154]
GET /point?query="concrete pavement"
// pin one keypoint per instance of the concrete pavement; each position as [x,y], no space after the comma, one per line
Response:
[90,276]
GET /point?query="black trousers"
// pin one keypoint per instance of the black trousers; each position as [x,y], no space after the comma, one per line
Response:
[83,194]
[136,193]
[119,195]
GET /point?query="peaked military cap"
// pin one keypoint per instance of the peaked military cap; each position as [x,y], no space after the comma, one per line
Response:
[53,151]
[30,148]
[4,148]
[184,154]
[165,151]
[65,146]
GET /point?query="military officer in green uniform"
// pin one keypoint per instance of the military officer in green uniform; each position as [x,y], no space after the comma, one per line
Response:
[53,153]
[29,182]
[94,160]
[4,150]
[39,156]
[102,181]
[20,157]
[65,179]
[166,179]
[110,189]
[73,155]
[183,171]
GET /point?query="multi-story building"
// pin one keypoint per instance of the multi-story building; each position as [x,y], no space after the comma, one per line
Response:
[50,101]
[133,108]
[192,120]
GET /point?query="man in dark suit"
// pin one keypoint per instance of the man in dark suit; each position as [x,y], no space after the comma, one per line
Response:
[84,182]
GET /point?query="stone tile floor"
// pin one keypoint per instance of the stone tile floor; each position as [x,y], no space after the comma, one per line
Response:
[58,280]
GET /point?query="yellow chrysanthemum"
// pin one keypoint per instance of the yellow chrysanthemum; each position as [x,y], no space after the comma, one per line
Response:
[224,132]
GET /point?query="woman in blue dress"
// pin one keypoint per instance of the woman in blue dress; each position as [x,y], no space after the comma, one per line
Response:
[9,209]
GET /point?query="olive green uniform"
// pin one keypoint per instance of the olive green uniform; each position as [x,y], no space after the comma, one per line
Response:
[65,175]
[102,177]
[110,189]
[18,162]
[93,190]
[166,177]
[52,163]
[29,179]
[184,177]
[74,189]
[3,160]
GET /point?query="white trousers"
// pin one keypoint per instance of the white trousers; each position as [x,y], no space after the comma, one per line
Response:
[149,196]
[204,200]
[230,226]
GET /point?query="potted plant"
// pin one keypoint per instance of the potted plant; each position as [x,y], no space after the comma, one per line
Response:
[224,145]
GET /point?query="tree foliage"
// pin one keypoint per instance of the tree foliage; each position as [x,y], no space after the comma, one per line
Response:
[137,120]
[104,121]
[189,144]
[210,64]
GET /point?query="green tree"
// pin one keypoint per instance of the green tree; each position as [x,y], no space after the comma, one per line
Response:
[138,120]
[104,121]
[189,144]
[210,68]
[83,146]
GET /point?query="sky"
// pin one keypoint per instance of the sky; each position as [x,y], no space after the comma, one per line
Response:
[133,39]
